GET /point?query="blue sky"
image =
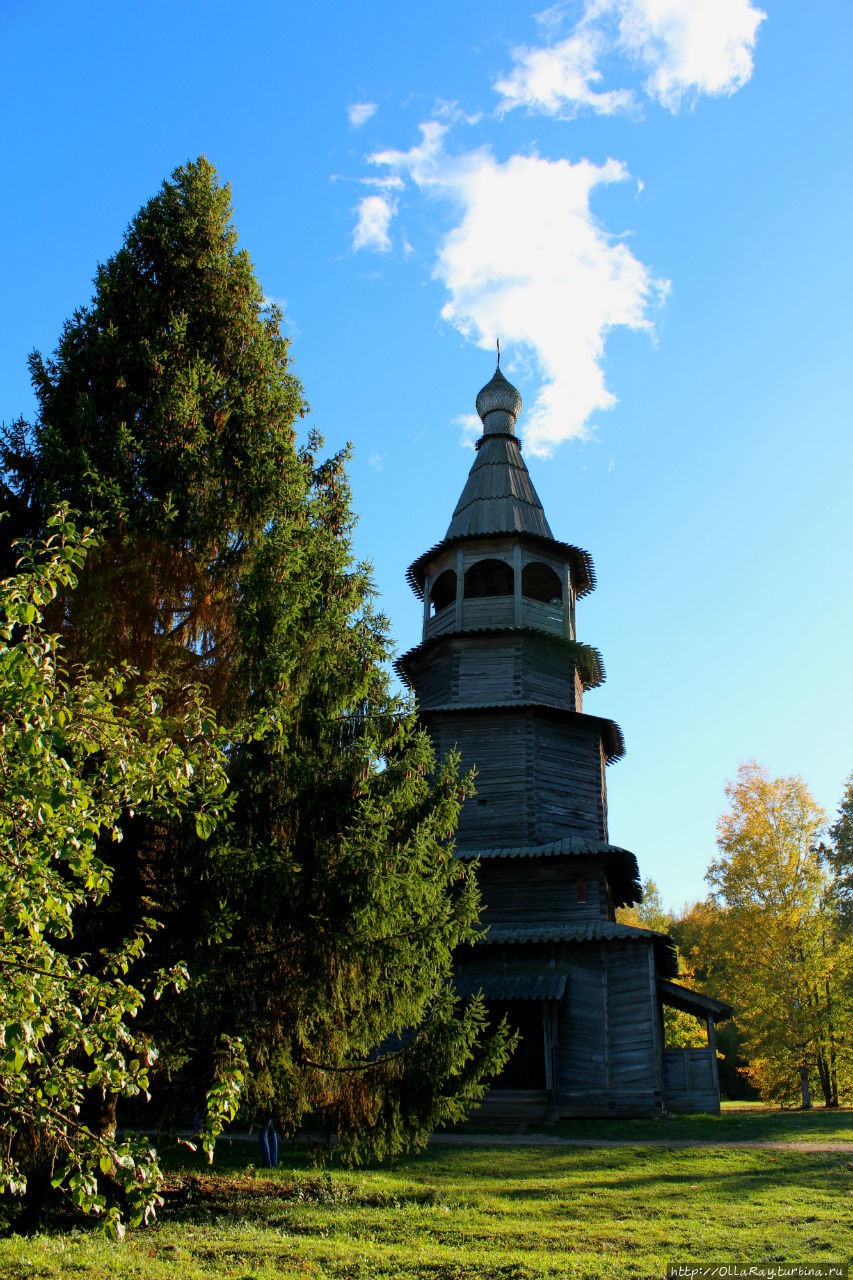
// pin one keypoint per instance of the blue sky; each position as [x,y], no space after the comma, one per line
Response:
[650,200]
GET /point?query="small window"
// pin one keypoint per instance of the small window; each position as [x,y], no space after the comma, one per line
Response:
[443,591]
[488,578]
[581,889]
[539,582]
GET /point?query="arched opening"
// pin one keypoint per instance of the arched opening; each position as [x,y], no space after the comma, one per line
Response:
[539,582]
[443,590]
[488,578]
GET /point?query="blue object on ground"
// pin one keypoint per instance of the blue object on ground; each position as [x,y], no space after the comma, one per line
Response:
[269,1145]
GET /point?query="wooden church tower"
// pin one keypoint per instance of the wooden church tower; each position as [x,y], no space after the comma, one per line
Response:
[500,674]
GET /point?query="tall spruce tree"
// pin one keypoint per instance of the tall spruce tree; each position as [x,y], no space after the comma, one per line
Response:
[319,924]
[840,856]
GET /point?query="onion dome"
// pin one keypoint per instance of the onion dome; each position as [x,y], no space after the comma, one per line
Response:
[499,405]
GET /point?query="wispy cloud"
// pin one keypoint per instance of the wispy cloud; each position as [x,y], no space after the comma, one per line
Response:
[371,229]
[470,428]
[389,182]
[286,319]
[683,48]
[561,78]
[358,113]
[528,260]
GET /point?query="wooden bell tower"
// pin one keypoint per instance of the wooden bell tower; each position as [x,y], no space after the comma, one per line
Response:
[500,674]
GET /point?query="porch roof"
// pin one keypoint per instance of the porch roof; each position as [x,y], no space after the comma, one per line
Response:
[701,1006]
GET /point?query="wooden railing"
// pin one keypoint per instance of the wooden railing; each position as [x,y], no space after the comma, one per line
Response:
[496,611]
[690,1080]
[444,620]
[547,617]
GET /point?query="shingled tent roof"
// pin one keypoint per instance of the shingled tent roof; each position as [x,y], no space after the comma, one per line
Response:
[499,496]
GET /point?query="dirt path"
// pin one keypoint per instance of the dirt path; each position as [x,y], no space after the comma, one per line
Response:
[549,1140]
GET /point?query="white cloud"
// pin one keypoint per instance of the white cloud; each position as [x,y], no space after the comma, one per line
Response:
[358,113]
[376,461]
[560,78]
[470,429]
[528,261]
[690,46]
[388,183]
[684,48]
[374,218]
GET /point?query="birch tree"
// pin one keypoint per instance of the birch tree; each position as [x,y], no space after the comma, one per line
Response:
[785,959]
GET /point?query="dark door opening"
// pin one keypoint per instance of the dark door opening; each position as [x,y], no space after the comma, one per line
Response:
[526,1067]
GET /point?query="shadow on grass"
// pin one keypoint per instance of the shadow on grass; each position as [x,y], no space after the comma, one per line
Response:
[272,1198]
[234,1190]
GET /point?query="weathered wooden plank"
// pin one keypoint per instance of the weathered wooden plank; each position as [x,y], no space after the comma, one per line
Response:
[512,1107]
[487,611]
[630,1012]
[439,623]
[567,780]
[581,1020]
[546,894]
[544,616]
[689,1080]
[657,1020]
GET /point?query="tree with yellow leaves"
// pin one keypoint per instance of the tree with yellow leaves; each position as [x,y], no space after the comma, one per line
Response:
[785,958]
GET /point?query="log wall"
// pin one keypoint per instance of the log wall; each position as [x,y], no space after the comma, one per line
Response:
[568,781]
[538,779]
[508,667]
[632,1014]
[541,891]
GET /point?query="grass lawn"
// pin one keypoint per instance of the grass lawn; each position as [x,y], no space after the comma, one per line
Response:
[748,1123]
[459,1213]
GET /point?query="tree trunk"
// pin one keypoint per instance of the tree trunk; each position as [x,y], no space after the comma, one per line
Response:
[804,1087]
[824,1076]
[832,1101]
[99,1112]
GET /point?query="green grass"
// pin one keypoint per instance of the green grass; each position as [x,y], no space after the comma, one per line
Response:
[749,1124]
[460,1213]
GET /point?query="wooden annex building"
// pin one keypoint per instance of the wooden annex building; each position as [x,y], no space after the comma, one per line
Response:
[501,675]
